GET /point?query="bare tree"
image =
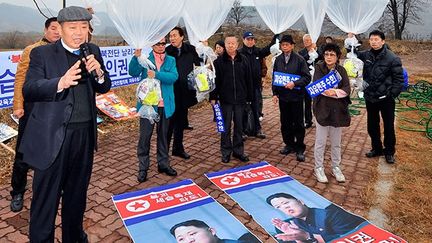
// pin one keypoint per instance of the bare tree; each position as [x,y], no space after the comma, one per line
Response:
[402,12]
[10,40]
[238,13]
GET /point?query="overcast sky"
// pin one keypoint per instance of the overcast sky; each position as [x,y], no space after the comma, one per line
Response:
[58,4]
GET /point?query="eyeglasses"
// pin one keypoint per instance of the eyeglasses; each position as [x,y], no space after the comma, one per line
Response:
[160,44]
[329,54]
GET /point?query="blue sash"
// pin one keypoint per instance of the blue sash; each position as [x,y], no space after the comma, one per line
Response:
[327,82]
[219,119]
[281,79]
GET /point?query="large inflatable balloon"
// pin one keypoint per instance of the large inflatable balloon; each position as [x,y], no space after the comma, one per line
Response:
[314,14]
[355,16]
[279,15]
[203,18]
[144,23]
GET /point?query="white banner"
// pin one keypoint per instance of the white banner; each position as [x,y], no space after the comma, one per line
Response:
[116,60]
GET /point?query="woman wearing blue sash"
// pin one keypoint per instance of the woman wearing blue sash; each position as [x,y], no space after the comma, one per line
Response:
[330,109]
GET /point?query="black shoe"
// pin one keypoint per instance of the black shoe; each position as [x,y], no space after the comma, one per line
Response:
[168,170]
[241,157]
[17,203]
[188,127]
[142,176]
[226,159]
[300,157]
[308,125]
[286,150]
[374,153]
[84,238]
[390,158]
[260,135]
[183,154]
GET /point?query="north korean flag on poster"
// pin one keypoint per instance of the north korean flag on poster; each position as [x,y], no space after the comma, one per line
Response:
[174,212]
[143,205]
[247,177]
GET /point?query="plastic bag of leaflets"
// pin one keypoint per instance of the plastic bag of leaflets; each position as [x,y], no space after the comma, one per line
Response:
[202,78]
[354,67]
[275,51]
[313,55]
[149,94]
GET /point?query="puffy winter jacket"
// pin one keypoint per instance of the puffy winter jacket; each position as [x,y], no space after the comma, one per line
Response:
[383,73]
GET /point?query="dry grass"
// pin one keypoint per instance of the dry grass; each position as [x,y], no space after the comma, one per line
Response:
[409,207]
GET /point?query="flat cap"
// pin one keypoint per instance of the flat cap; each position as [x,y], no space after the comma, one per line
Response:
[73,13]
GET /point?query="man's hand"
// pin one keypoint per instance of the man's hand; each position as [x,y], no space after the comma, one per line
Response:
[18,113]
[137,52]
[92,64]
[151,74]
[290,231]
[70,77]
[275,99]
[289,85]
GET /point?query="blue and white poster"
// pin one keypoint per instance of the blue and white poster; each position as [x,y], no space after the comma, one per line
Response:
[290,211]
[180,212]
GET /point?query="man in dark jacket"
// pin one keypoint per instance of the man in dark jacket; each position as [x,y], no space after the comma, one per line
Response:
[186,57]
[255,56]
[233,91]
[60,135]
[308,47]
[384,75]
[290,96]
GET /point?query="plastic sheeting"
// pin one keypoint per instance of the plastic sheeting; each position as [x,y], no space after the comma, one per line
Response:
[144,23]
[203,18]
[355,16]
[279,15]
[314,14]
[90,4]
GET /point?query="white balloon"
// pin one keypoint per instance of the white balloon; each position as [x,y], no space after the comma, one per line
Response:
[144,23]
[314,14]
[355,16]
[203,18]
[279,15]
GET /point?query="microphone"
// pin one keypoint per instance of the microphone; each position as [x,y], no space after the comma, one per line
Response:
[85,50]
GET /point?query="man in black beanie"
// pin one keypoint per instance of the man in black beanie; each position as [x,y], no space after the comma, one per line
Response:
[60,136]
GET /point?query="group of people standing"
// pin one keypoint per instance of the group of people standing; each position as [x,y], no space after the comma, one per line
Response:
[59,76]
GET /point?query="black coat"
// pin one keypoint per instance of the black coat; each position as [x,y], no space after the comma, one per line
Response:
[298,66]
[46,126]
[383,73]
[233,80]
[255,56]
[185,96]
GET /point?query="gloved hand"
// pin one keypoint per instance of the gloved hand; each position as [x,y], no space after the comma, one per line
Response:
[276,36]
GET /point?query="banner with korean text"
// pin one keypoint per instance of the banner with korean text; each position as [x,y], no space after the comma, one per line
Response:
[179,212]
[290,211]
[116,60]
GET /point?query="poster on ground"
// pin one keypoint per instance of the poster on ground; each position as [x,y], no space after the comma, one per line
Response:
[291,212]
[6,132]
[111,105]
[179,212]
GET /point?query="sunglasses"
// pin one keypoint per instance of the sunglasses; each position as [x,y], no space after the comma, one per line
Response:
[160,44]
